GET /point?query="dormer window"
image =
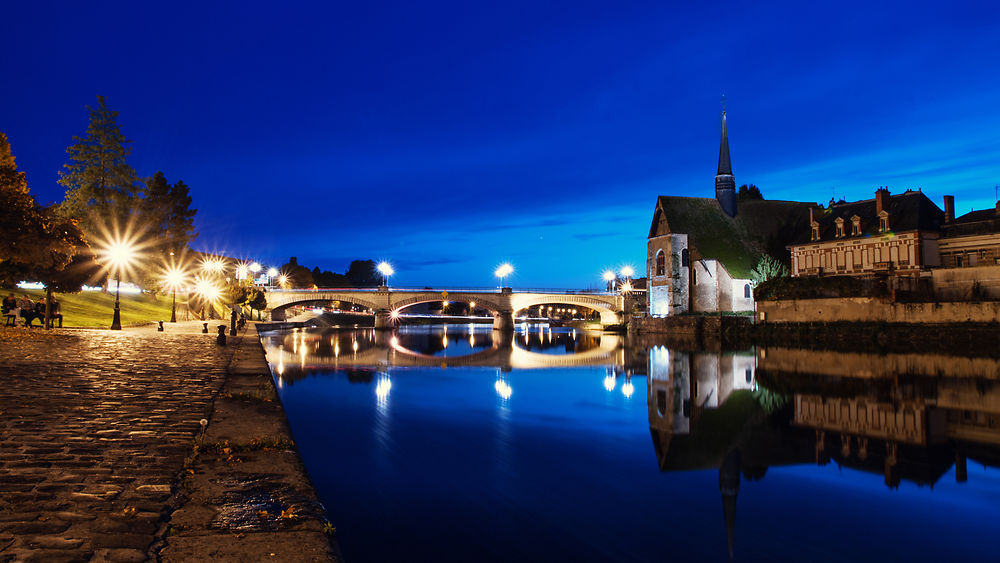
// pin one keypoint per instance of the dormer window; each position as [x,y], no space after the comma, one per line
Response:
[855,226]
[883,221]
[840,227]
[815,231]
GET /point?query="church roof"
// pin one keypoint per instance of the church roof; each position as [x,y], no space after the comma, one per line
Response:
[760,226]
[724,166]
[908,211]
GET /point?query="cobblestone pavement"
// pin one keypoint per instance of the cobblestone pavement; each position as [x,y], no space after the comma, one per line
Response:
[94,429]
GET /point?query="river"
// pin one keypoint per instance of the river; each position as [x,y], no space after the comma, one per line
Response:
[453,443]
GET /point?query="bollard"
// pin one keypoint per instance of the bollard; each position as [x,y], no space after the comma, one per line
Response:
[204,328]
[221,338]
[160,328]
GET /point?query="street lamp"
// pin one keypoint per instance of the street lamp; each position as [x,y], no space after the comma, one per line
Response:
[255,267]
[627,272]
[386,270]
[241,271]
[208,293]
[120,254]
[173,279]
[282,281]
[502,271]
[271,273]
[609,277]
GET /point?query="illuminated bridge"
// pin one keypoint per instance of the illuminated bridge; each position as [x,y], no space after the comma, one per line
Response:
[503,303]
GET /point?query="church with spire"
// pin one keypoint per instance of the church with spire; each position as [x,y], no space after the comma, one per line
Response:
[700,250]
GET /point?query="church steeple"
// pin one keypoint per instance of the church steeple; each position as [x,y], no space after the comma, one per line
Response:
[725,184]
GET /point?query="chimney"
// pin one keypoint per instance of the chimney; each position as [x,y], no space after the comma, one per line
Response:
[998,208]
[881,200]
[949,208]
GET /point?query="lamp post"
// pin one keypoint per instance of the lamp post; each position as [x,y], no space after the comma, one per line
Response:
[502,271]
[627,272]
[271,274]
[173,279]
[255,267]
[119,253]
[609,277]
[386,270]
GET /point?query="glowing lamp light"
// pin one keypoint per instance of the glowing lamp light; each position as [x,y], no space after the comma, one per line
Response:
[173,278]
[282,280]
[609,275]
[627,271]
[120,253]
[627,287]
[242,271]
[271,272]
[386,270]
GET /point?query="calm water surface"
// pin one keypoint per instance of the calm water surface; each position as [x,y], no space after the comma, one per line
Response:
[450,444]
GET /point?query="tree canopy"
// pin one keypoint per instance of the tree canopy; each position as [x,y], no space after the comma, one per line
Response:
[101,186]
[35,241]
[748,192]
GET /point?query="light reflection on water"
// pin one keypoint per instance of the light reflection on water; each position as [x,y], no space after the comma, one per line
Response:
[542,446]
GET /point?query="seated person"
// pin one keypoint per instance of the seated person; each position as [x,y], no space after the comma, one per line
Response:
[54,311]
[10,310]
[27,307]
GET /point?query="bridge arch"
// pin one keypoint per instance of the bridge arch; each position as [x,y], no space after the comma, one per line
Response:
[609,307]
[492,307]
[278,302]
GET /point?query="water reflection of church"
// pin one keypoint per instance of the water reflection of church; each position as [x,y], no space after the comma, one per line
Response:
[907,417]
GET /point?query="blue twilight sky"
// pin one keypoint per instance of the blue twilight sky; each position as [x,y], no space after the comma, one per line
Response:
[448,137]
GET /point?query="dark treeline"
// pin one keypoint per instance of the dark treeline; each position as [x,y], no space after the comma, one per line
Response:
[361,273]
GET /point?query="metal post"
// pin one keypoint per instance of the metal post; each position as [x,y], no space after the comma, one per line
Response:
[116,322]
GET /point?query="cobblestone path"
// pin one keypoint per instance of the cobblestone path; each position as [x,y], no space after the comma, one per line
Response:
[94,429]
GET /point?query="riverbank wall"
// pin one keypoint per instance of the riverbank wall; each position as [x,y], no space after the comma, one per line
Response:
[692,331]
[245,492]
[876,310]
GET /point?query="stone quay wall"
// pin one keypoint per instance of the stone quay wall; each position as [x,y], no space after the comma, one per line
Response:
[875,310]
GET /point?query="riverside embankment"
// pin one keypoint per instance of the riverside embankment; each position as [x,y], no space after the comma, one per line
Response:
[98,460]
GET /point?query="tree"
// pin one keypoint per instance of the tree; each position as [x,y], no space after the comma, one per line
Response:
[101,187]
[767,268]
[167,213]
[298,276]
[362,273]
[748,192]
[20,217]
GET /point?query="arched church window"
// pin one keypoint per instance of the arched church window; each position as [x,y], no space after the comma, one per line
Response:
[685,257]
[746,291]
[661,263]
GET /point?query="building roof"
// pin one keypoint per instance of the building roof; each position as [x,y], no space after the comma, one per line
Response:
[908,211]
[978,222]
[724,166]
[760,226]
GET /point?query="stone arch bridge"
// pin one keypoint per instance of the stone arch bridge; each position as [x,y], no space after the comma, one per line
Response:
[503,303]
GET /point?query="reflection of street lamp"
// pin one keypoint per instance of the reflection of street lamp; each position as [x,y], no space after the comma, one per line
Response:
[120,253]
[173,279]
[503,271]
[386,270]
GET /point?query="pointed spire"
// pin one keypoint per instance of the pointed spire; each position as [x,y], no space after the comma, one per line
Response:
[724,166]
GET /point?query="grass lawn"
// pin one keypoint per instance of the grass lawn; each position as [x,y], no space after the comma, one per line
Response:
[95,308]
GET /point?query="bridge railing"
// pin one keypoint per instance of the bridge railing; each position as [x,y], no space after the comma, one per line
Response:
[395,289]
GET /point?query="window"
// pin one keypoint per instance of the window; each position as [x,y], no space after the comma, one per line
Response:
[840,227]
[685,258]
[661,265]
[883,221]
[746,291]
[855,226]
[815,231]
[694,276]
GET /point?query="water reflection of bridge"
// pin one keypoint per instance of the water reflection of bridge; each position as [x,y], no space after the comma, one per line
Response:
[305,351]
